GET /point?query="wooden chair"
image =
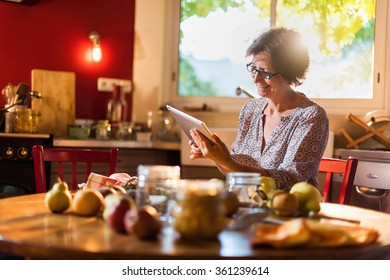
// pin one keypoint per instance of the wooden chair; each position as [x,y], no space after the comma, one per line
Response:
[347,168]
[72,156]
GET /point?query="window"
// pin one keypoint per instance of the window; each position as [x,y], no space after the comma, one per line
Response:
[209,51]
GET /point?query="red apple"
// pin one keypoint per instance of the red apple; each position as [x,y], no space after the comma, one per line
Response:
[115,215]
[112,200]
[143,222]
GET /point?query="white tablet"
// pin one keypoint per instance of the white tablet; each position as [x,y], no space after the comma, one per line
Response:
[188,122]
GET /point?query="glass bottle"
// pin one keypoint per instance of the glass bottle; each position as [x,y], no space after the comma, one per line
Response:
[157,185]
[117,106]
[117,111]
[246,186]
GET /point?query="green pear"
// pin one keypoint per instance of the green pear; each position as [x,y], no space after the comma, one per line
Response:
[308,195]
[267,184]
[58,199]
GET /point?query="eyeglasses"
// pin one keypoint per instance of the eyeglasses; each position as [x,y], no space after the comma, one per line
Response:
[264,74]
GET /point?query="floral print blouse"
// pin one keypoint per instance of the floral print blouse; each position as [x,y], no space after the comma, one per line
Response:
[295,148]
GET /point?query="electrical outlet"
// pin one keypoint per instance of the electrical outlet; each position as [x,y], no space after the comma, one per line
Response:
[107,84]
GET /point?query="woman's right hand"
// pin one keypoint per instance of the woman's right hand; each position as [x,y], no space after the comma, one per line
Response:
[195,152]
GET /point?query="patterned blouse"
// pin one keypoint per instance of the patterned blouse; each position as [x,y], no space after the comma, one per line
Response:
[294,150]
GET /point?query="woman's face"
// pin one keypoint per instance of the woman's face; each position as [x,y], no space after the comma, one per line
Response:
[266,84]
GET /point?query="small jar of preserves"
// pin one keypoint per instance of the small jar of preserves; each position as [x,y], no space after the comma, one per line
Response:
[25,121]
[199,213]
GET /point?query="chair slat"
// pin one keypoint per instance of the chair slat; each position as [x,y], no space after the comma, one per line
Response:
[73,156]
[347,168]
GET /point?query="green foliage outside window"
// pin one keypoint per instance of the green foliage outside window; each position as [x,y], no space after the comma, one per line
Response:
[346,24]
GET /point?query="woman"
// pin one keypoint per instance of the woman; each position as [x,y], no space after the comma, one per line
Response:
[283,134]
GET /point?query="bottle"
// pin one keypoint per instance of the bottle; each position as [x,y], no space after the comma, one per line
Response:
[117,111]
[245,185]
[117,106]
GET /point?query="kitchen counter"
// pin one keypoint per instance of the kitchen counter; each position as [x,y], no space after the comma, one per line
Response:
[97,143]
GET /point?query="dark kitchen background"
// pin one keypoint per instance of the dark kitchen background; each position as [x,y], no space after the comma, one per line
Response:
[53,35]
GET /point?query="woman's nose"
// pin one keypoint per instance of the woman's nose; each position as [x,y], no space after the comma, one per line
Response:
[255,77]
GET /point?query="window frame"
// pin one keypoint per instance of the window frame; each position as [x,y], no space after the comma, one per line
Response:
[332,106]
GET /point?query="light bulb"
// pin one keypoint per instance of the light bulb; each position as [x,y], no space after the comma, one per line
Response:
[96,53]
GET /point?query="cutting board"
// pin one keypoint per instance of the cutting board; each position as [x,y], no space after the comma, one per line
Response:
[57,105]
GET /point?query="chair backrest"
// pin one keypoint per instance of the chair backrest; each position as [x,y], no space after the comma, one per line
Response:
[347,168]
[72,156]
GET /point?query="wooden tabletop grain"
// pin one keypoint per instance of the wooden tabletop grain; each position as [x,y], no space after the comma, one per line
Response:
[28,229]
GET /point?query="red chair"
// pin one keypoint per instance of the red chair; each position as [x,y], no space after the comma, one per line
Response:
[72,156]
[347,168]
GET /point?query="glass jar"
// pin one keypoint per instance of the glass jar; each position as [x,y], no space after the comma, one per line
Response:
[157,185]
[246,186]
[102,129]
[25,121]
[199,213]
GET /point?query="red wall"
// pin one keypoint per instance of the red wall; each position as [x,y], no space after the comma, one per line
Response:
[53,35]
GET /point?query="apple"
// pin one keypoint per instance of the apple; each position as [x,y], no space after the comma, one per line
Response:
[111,200]
[116,214]
[230,202]
[143,222]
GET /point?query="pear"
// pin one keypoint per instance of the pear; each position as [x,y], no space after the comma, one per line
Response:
[308,195]
[58,199]
[267,184]
[285,204]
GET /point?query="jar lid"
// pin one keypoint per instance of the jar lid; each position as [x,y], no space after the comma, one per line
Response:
[159,171]
[200,187]
[243,178]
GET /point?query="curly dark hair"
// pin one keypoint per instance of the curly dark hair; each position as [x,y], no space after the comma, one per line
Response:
[288,55]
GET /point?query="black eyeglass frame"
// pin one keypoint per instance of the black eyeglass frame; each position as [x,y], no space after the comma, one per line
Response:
[253,69]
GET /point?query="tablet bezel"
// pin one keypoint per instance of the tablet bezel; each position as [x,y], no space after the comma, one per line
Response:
[188,122]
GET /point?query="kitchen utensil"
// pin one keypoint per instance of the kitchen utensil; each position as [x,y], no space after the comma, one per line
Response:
[57,105]
[8,93]
[12,105]
[265,215]
[22,92]
[376,116]
[251,216]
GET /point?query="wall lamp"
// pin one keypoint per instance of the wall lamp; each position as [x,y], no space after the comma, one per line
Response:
[96,51]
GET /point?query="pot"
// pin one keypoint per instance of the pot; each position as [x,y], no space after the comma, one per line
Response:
[79,131]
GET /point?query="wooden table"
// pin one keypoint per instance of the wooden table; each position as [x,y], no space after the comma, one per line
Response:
[28,229]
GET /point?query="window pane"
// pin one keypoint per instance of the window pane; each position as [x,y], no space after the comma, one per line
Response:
[213,42]
[340,37]
[212,48]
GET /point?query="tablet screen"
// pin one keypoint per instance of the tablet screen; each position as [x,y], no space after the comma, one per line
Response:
[188,122]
